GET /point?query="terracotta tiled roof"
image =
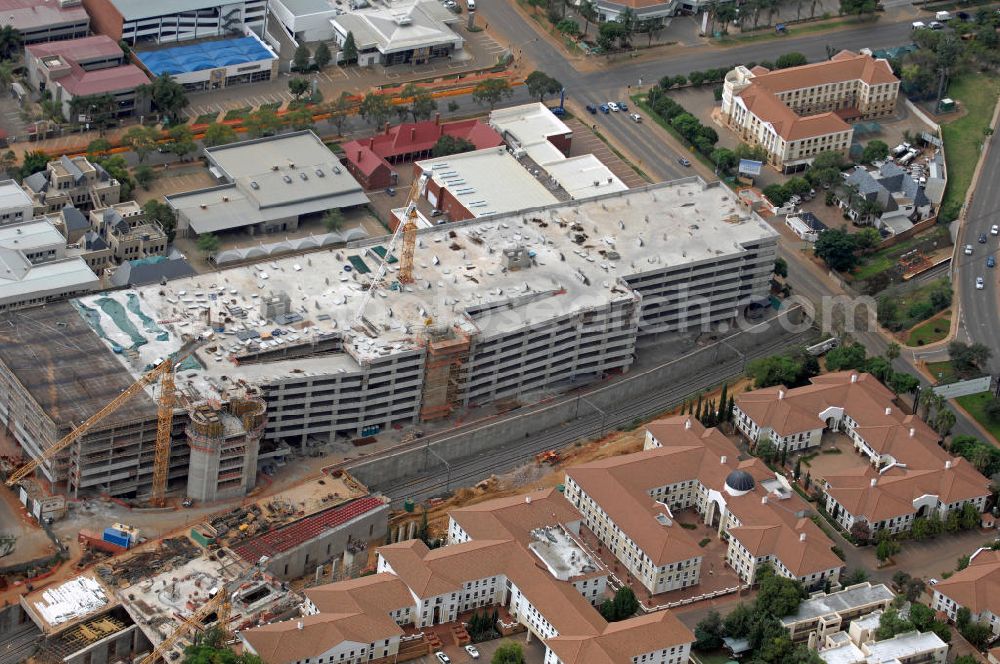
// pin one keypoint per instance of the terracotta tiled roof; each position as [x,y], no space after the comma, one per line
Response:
[378,592]
[409,137]
[844,66]
[619,642]
[285,642]
[363,157]
[978,585]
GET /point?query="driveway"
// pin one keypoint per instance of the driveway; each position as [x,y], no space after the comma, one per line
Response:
[534,652]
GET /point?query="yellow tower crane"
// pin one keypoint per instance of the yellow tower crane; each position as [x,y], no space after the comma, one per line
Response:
[165,414]
[219,603]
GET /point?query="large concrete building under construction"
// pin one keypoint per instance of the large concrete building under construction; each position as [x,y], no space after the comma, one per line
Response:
[294,351]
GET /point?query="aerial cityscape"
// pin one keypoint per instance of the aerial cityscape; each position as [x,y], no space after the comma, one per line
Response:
[513,331]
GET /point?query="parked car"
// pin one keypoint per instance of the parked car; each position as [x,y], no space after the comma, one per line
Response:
[443,658]
[636,117]
[918,25]
[936,25]
[473,653]
[932,582]
[683,162]
[982,238]
[994,229]
[968,250]
[991,262]
[980,284]
[623,106]
[613,106]
[604,108]
[591,109]
[390,191]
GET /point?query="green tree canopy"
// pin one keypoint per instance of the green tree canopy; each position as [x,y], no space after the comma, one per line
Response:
[375,108]
[447,145]
[301,58]
[491,91]
[792,59]
[208,243]
[298,86]
[541,84]
[508,652]
[349,51]
[167,96]
[322,56]
[218,134]
[874,151]
[837,249]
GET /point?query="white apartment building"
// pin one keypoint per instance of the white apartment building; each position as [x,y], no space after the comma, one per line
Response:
[824,614]
[36,268]
[977,587]
[798,112]
[15,203]
[510,552]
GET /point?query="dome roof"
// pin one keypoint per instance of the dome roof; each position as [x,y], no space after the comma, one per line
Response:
[740,480]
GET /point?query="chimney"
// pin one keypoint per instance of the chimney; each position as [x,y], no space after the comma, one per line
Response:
[802,537]
[854,377]
[888,410]
[947,464]
[413,133]
[874,481]
[763,499]
[359,156]
[300,624]
[913,432]
[687,423]
[722,459]
[387,128]
[781,395]
[527,499]
[371,143]
[437,118]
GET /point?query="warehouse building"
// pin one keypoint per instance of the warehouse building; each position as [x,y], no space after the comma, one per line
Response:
[571,287]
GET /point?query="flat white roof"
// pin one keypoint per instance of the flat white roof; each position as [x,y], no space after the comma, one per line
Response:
[12,196]
[903,646]
[29,235]
[528,124]
[488,181]
[584,176]
[846,653]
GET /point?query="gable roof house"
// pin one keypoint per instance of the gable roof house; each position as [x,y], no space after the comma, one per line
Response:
[898,195]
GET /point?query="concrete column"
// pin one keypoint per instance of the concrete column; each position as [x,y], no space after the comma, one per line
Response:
[413,530]
[333,568]
[319,573]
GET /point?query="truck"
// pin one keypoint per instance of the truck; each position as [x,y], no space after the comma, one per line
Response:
[943,16]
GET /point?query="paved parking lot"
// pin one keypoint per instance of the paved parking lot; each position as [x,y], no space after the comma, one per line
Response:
[534,652]
[586,142]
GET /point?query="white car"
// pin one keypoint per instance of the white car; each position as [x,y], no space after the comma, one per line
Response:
[994,230]
[443,658]
[968,250]
[613,106]
[638,118]
[473,653]
[980,284]
[932,582]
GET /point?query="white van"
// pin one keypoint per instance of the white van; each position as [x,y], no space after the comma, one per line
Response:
[943,16]
[918,25]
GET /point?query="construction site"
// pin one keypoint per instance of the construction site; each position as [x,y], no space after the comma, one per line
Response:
[189,387]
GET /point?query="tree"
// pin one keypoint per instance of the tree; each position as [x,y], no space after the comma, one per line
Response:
[978,635]
[963,617]
[333,220]
[836,247]
[208,243]
[300,59]
[181,141]
[541,84]
[339,110]
[209,647]
[858,7]
[708,632]
[944,420]
[162,214]
[792,59]
[874,151]
[298,87]
[508,652]
[965,659]
[777,596]
[765,449]
[167,96]
[968,359]
[724,159]
[218,134]
[569,27]
[262,122]
[886,549]
[422,102]
[322,56]
[10,41]
[97,148]
[491,91]
[117,167]
[890,624]
[785,370]
[847,356]
[349,51]
[921,616]
[968,518]
[375,108]
[623,606]
[901,382]
[299,119]
[141,140]
[627,20]
[610,33]
[448,144]
[588,12]
[861,531]
[144,176]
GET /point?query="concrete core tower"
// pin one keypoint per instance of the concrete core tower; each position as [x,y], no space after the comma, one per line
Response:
[224,443]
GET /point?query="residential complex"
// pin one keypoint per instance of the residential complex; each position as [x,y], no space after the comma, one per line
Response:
[520,553]
[629,503]
[908,474]
[799,112]
[15,203]
[127,232]
[825,614]
[414,32]
[977,588]
[79,71]
[40,21]
[71,181]
[140,21]
[526,280]
[266,186]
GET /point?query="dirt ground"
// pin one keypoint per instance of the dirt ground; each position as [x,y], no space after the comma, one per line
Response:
[174,180]
[826,463]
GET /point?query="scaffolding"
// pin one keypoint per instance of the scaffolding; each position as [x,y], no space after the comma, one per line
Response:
[444,371]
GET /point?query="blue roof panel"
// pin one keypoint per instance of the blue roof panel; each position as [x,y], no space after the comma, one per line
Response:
[204,55]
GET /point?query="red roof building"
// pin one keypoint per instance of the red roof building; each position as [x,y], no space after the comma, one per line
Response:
[370,161]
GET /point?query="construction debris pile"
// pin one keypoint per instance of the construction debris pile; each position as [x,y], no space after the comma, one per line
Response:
[172,553]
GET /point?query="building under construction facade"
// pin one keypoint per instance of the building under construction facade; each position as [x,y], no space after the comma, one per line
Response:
[297,351]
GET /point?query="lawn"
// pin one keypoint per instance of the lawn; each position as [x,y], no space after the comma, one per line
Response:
[947,374]
[713,657]
[975,405]
[963,137]
[206,118]
[796,30]
[885,259]
[929,332]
